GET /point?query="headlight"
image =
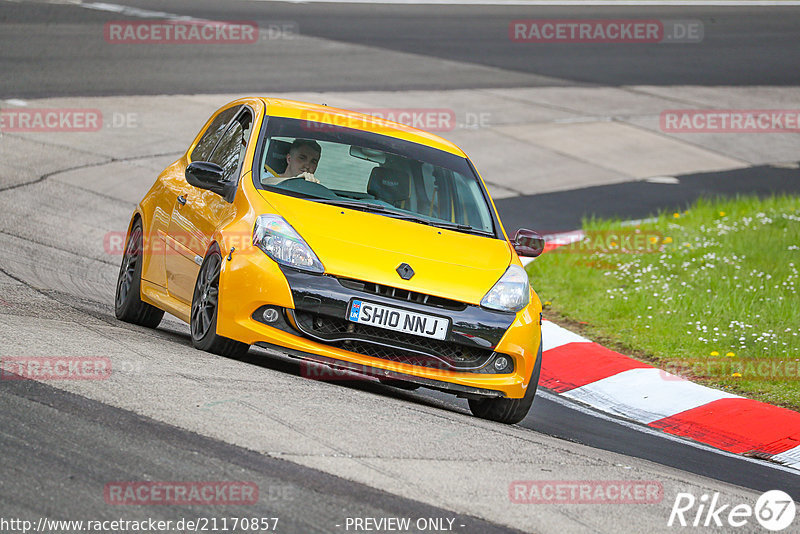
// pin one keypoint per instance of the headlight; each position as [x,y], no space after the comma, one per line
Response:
[511,293]
[282,243]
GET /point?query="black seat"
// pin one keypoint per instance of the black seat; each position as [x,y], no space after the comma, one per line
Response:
[390,185]
[276,155]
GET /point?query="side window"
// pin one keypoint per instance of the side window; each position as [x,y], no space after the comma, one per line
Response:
[467,191]
[231,147]
[202,152]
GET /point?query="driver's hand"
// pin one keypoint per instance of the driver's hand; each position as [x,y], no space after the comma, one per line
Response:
[308,177]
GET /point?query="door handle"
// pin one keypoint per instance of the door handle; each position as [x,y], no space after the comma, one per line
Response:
[182,200]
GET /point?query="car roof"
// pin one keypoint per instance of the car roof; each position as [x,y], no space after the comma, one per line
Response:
[279,107]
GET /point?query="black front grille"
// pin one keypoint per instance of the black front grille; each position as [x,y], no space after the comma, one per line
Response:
[396,346]
[402,294]
[395,355]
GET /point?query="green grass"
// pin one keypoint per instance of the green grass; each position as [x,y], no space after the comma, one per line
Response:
[708,292]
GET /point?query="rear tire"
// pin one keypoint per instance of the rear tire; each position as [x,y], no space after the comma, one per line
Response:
[509,411]
[128,305]
[205,303]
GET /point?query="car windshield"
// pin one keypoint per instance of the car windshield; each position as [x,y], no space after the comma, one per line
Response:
[362,170]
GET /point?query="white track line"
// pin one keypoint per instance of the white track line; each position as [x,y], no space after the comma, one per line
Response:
[790,457]
[555,336]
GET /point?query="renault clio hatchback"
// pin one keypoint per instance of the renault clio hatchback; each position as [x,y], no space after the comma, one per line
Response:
[342,239]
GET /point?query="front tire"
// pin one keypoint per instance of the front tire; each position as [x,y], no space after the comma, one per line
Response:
[128,305]
[205,304]
[509,411]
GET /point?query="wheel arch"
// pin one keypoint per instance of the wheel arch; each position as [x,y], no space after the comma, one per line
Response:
[214,244]
[136,216]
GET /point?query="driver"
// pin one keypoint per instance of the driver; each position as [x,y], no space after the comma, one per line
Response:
[301,162]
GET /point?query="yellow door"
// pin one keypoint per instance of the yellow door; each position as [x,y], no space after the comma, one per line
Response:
[198,213]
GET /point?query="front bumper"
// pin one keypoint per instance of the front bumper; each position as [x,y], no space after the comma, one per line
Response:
[313,327]
[322,304]
[375,372]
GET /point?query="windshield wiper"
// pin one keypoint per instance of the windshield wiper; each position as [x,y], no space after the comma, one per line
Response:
[459,227]
[438,224]
[383,210]
[355,204]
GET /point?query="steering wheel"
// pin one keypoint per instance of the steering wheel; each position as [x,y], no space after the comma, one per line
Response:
[301,185]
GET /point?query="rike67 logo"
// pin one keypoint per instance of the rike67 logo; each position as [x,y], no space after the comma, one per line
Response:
[774,510]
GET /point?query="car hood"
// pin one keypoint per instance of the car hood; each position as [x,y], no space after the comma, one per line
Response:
[370,247]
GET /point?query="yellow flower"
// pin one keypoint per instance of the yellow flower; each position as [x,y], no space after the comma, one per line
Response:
[714,353]
[547,303]
[676,215]
[667,239]
[730,355]
[722,214]
[653,239]
[736,375]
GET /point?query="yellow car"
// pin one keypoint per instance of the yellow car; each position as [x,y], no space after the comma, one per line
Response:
[342,239]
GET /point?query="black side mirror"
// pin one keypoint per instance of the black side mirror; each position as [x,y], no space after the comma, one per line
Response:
[207,175]
[528,243]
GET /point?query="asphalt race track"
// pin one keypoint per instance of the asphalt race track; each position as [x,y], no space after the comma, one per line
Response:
[322,452]
[741,47]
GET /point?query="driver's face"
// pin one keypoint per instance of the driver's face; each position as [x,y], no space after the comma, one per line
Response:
[303,159]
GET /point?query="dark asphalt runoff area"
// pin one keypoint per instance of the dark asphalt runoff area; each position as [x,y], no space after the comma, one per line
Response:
[67,448]
[564,210]
[59,449]
[66,55]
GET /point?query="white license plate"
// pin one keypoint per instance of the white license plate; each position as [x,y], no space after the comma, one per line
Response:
[418,324]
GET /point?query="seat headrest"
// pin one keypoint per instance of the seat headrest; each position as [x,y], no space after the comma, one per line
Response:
[276,155]
[389,185]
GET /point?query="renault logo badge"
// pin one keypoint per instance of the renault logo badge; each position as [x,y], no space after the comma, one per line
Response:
[405,271]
